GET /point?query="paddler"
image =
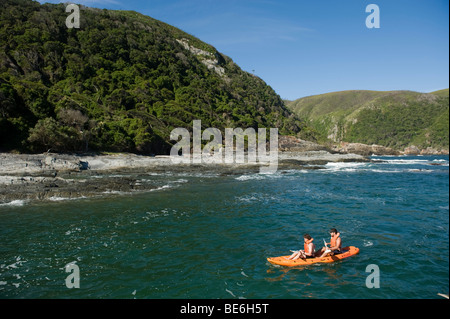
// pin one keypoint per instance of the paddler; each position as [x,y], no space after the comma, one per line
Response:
[308,249]
[335,244]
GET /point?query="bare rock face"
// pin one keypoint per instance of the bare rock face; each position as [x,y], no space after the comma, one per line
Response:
[212,61]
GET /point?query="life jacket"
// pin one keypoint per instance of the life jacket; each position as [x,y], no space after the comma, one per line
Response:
[306,246]
[334,239]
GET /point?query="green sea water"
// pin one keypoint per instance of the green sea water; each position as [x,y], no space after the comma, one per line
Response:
[203,235]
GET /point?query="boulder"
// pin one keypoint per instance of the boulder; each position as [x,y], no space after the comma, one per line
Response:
[411,150]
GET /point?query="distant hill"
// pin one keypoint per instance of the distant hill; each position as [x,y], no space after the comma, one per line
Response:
[395,119]
[121,82]
[443,92]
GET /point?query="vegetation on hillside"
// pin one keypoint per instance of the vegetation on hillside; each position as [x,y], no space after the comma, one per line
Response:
[121,82]
[394,119]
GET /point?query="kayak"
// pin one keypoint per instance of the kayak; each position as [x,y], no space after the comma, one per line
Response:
[283,260]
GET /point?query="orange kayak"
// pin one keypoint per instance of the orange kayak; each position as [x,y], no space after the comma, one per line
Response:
[283,260]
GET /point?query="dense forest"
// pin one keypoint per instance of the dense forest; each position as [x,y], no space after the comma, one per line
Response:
[120,82]
[395,119]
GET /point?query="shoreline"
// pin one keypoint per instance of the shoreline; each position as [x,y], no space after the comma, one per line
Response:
[51,164]
[49,175]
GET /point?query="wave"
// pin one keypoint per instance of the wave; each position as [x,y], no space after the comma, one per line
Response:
[171,184]
[18,262]
[59,199]
[250,177]
[261,176]
[417,170]
[248,198]
[390,165]
[440,160]
[257,197]
[16,203]
[367,243]
[344,166]
[161,187]
[408,161]
[411,161]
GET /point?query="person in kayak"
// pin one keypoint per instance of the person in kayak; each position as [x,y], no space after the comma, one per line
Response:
[335,244]
[308,251]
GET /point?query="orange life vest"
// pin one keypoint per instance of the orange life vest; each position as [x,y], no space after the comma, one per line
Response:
[333,241]
[306,246]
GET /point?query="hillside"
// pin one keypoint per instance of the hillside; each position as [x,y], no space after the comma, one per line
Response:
[443,92]
[395,119]
[121,82]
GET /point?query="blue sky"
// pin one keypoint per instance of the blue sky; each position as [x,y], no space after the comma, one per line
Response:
[303,48]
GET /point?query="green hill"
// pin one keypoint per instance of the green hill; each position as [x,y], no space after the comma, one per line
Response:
[443,92]
[121,82]
[395,119]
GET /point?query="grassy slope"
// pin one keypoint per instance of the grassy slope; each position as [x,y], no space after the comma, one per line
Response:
[390,118]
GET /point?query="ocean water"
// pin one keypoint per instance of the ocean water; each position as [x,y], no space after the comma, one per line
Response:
[203,235]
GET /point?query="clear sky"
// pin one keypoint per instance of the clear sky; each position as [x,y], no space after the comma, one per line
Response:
[303,48]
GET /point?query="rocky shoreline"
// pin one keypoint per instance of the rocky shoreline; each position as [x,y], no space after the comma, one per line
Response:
[367,150]
[52,176]
[291,143]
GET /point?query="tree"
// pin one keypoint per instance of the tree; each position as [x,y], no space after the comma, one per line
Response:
[47,135]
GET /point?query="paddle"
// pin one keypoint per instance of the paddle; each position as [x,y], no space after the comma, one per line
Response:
[327,250]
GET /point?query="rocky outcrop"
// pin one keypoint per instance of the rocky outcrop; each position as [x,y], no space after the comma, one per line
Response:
[293,144]
[50,176]
[411,150]
[364,149]
[40,163]
[367,150]
[67,186]
[414,150]
[212,61]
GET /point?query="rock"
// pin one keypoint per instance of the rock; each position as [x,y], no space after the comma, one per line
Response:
[367,150]
[382,150]
[212,61]
[411,150]
[83,166]
[364,149]
[293,144]
[433,151]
